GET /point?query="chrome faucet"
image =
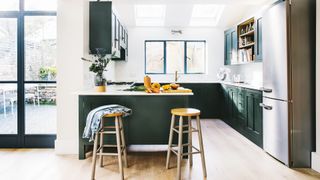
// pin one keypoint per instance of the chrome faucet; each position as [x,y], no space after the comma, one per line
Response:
[176,76]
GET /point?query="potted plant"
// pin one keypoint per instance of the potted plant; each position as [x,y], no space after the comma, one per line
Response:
[98,66]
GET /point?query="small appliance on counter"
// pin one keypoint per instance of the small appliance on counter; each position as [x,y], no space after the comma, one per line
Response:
[223,74]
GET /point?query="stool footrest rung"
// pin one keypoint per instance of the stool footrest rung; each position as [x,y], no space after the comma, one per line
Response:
[186,154]
[186,131]
[176,145]
[109,127]
[182,126]
[123,148]
[107,154]
[102,131]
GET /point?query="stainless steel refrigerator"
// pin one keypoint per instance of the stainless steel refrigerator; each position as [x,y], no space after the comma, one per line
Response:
[288,36]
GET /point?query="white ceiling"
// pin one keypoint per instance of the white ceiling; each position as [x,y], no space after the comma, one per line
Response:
[178,12]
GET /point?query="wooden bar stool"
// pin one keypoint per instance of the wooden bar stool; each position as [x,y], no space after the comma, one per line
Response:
[117,130]
[182,129]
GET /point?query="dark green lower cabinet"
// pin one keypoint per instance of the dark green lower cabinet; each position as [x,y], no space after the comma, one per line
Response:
[253,120]
[149,123]
[243,112]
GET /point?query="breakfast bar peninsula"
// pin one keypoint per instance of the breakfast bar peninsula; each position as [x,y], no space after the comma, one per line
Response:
[149,123]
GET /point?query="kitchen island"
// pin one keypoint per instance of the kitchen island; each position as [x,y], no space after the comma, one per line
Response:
[149,123]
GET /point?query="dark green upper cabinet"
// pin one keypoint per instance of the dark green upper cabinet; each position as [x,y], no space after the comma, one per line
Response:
[106,31]
[242,44]
[100,27]
[230,45]
[258,39]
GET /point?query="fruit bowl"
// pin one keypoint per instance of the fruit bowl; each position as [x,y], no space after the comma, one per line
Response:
[174,86]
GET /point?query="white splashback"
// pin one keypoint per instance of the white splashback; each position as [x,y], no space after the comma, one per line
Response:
[250,73]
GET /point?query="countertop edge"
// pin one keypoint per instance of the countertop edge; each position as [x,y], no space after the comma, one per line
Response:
[243,85]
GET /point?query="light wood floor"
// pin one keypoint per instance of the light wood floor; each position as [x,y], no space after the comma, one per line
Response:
[229,156]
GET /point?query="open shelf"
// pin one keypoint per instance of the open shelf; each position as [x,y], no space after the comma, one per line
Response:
[247,33]
[247,45]
[246,41]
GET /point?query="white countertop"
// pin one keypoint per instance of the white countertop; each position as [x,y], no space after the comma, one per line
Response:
[129,93]
[244,85]
[117,90]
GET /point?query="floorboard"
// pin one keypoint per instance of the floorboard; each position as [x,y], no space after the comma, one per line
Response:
[229,156]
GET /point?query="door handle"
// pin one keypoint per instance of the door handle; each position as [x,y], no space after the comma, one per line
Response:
[266,90]
[266,107]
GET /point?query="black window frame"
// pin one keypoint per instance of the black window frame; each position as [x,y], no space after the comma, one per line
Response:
[21,139]
[165,55]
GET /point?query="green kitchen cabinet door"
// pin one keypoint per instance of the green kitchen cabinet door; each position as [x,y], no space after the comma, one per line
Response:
[253,121]
[225,104]
[234,46]
[232,109]
[100,25]
[230,45]
[227,48]
[241,106]
[258,38]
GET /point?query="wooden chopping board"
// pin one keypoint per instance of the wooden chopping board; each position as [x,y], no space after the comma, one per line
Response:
[180,90]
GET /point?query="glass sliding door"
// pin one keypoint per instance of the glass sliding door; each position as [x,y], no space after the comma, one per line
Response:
[9,79]
[40,66]
[27,73]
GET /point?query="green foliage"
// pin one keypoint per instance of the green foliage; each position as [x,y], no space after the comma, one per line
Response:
[98,66]
[44,73]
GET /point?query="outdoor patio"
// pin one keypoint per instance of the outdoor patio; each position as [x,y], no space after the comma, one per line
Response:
[40,109]
[39,120]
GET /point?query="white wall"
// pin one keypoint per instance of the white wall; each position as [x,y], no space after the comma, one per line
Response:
[133,69]
[316,155]
[73,74]
[71,42]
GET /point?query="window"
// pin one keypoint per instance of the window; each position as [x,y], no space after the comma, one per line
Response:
[40,48]
[166,57]
[195,57]
[175,56]
[155,57]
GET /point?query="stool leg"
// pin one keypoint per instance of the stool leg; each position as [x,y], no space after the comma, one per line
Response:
[123,143]
[190,141]
[201,147]
[94,156]
[119,147]
[101,144]
[170,141]
[180,147]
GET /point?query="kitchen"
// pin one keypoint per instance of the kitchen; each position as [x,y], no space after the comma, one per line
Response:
[258,111]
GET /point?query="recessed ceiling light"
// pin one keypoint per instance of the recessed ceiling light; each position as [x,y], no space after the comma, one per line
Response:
[206,14]
[150,15]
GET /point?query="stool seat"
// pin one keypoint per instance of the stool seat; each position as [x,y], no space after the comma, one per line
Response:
[113,115]
[185,112]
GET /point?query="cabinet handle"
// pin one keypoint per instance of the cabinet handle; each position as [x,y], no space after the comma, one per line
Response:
[266,90]
[266,107]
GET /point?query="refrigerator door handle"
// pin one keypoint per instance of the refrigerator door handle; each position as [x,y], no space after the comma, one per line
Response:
[266,107]
[266,90]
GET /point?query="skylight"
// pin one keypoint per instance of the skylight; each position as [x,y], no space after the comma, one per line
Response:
[150,15]
[206,14]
